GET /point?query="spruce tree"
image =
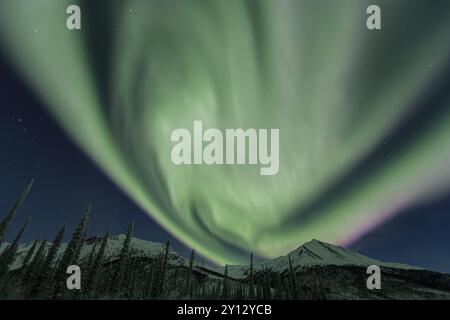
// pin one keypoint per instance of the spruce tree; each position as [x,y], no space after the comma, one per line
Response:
[252,280]
[160,272]
[225,283]
[150,277]
[130,283]
[293,282]
[6,259]
[165,264]
[71,253]
[9,255]
[190,282]
[29,273]
[156,276]
[28,257]
[7,221]
[106,281]
[79,248]
[118,277]
[90,259]
[92,286]
[43,286]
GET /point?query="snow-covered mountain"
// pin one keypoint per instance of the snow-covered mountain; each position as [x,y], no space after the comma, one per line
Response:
[313,253]
[322,270]
[320,253]
[138,247]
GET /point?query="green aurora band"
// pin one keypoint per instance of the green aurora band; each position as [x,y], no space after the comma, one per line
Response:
[336,90]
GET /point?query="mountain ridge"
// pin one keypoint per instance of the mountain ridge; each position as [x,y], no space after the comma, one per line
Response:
[319,271]
[309,254]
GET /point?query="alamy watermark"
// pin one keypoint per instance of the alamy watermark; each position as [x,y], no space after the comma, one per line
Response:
[231,147]
[73,21]
[73,282]
[374,281]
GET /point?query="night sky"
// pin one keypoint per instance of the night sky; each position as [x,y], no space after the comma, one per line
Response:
[65,179]
[34,146]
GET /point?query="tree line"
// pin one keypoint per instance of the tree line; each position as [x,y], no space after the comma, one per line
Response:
[40,272]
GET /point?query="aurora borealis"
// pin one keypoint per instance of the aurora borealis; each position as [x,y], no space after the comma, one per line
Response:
[363,116]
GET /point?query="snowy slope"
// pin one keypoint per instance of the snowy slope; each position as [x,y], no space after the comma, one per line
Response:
[313,253]
[320,253]
[139,247]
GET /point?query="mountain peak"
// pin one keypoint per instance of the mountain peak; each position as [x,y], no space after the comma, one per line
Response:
[312,246]
[313,242]
[318,253]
